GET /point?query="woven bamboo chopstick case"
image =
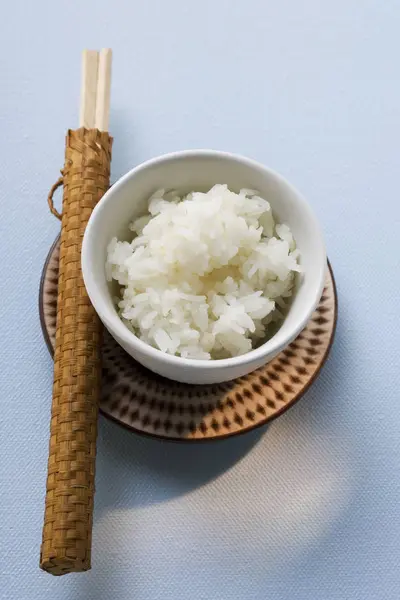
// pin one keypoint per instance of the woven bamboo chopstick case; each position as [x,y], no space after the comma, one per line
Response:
[67,530]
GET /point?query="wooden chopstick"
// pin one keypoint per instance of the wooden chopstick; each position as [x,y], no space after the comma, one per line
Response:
[103,90]
[87,112]
[95,91]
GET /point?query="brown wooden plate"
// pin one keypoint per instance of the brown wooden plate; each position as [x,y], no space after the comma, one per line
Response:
[149,404]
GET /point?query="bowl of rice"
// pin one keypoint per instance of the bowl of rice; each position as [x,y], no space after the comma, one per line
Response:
[203,265]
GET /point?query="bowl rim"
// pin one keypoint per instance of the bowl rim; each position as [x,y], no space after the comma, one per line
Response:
[115,325]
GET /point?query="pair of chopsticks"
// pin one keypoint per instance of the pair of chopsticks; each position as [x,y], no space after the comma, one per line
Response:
[68,519]
[95,89]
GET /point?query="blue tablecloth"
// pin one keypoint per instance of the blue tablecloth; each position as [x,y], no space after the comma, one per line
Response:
[308,508]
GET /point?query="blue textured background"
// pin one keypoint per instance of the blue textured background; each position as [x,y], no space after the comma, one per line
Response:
[310,508]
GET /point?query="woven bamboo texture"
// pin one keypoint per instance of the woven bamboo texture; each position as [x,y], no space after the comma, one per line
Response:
[67,530]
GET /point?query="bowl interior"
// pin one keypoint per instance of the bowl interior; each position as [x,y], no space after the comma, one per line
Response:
[200,170]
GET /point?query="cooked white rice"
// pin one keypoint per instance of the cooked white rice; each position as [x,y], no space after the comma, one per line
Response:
[206,274]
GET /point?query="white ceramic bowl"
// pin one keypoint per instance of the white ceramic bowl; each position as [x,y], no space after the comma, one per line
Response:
[200,170]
